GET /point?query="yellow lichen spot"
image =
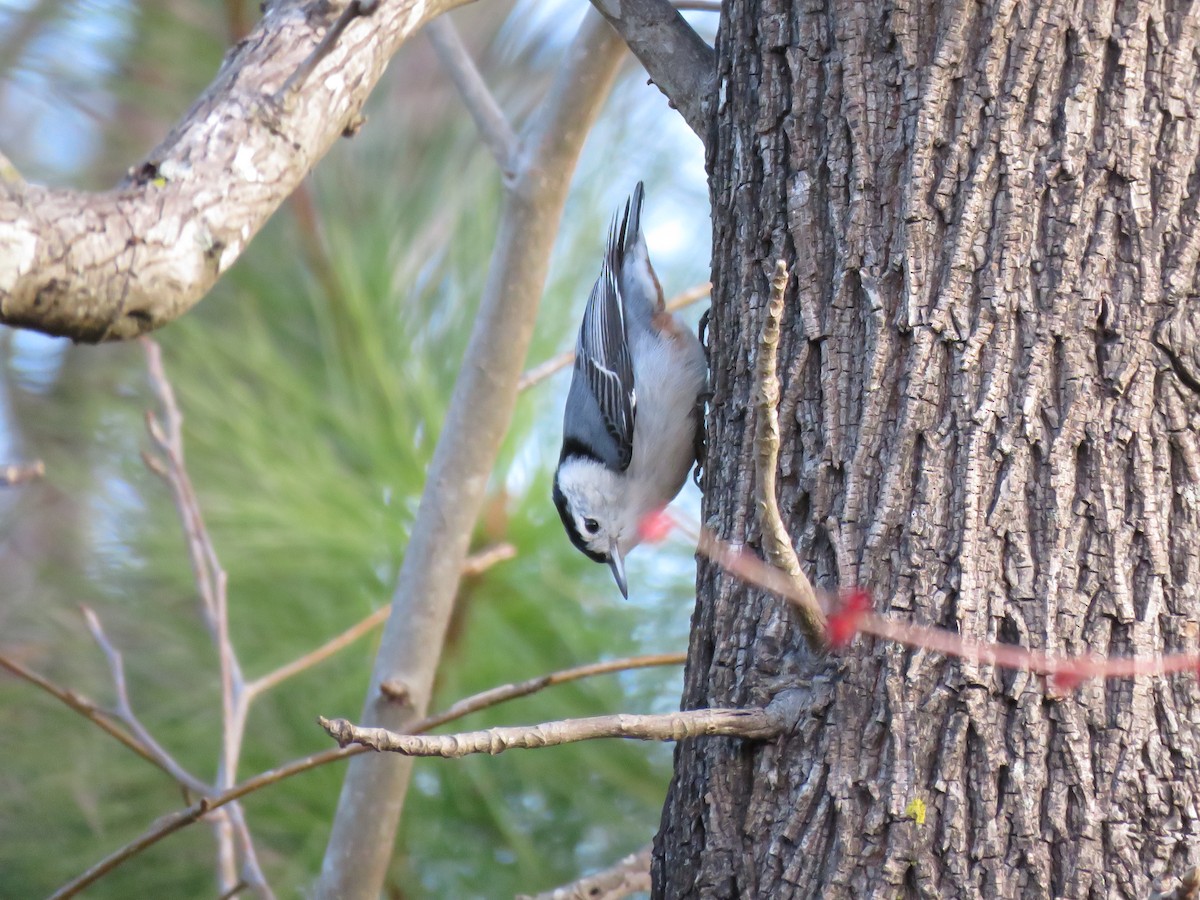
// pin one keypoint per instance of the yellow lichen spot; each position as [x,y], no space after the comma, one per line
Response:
[916,810]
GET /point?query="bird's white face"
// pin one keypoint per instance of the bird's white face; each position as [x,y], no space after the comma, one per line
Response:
[591,502]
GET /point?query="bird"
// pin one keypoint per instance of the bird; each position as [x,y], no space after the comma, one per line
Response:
[633,423]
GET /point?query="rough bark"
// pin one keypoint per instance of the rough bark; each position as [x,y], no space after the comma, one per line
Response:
[988,416]
[112,265]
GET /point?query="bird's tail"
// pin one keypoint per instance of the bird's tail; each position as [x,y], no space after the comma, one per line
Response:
[640,290]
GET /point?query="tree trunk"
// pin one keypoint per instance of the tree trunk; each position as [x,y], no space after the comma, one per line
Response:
[990,375]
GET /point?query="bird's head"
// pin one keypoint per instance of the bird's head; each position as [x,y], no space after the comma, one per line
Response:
[590,499]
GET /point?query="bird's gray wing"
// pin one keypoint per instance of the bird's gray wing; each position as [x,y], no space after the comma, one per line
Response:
[602,361]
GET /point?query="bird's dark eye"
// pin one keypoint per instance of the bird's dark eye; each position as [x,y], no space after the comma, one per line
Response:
[591,526]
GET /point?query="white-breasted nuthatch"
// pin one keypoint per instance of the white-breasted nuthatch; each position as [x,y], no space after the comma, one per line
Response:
[632,425]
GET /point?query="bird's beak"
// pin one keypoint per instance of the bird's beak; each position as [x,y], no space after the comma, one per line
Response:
[617,564]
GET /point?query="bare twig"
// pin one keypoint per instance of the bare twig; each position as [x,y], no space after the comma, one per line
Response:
[776,543]
[168,825]
[125,713]
[628,876]
[755,724]
[476,564]
[507,692]
[86,708]
[676,58]
[489,117]
[212,584]
[19,473]
[544,370]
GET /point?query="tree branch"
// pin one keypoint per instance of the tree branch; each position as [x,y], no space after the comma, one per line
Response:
[115,264]
[125,713]
[102,718]
[489,117]
[628,876]
[752,724]
[169,824]
[506,692]
[676,58]
[776,544]
[212,583]
[475,565]
[480,411]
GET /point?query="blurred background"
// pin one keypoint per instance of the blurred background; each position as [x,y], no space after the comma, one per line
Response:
[313,380]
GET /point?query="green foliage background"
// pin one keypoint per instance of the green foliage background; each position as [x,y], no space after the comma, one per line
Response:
[314,380]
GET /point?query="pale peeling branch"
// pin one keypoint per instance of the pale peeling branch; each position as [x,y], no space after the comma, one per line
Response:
[752,724]
[115,264]
[489,117]
[776,544]
[629,876]
[676,58]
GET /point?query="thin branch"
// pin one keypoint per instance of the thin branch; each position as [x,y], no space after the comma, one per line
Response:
[19,473]
[628,876]
[125,713]
[213,586]
[479,414]
[544,370]
[169,824]
[102,718]
[211,579]
[489,117]
[1064,671]
[167,435]
[476,564]
[776,543]
[676,58]
[173,822]
[251,870]
[752,724]
[507,692]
